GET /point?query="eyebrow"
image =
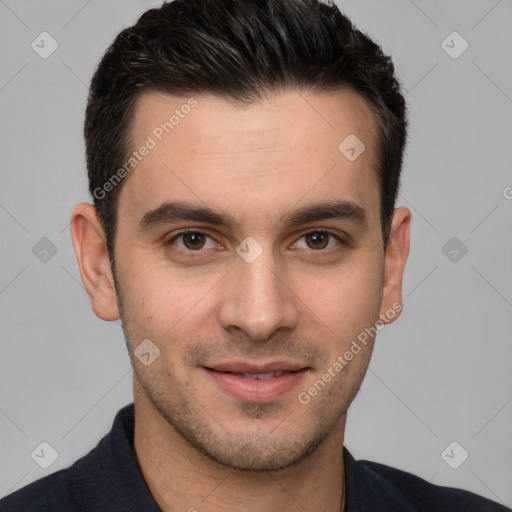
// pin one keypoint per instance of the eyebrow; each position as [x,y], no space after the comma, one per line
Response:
[173,211]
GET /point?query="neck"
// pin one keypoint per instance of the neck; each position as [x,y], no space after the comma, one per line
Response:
[182,478]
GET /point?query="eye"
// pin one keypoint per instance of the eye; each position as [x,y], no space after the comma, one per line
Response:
[319,240]
[195,240]
[192,240]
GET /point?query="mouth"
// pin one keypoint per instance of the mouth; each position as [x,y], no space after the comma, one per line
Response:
[259,376]
[256,386]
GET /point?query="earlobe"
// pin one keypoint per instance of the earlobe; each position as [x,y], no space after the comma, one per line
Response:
[395,259]
[92,256]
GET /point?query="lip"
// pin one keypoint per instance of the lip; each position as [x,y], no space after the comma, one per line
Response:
[245,367]
[255,390]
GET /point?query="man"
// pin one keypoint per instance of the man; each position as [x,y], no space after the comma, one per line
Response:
[244,160]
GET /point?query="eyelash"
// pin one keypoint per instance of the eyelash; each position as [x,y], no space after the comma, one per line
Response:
[204,233]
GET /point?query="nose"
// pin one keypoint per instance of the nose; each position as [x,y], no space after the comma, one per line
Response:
[258,298]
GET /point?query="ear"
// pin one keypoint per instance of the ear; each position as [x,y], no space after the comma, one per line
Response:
[394,265]
[91,253]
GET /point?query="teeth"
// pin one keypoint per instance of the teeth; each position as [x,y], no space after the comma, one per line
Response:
[264,376]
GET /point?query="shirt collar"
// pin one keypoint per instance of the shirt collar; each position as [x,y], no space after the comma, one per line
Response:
[109,477]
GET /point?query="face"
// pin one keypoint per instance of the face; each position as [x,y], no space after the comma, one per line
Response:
[249,243]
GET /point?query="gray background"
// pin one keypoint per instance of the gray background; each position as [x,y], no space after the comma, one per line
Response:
[441,373]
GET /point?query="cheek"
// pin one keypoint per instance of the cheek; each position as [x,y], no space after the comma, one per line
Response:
[163,302]
[348,299]
[160,303]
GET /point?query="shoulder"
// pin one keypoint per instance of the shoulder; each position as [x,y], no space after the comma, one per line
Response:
[96,481]
[47,493]
[414,494]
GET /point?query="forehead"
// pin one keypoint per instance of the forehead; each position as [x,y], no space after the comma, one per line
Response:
[262,158]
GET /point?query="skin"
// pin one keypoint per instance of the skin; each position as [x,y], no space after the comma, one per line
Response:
[198,447]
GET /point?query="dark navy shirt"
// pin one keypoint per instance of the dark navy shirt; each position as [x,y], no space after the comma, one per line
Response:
[108,479]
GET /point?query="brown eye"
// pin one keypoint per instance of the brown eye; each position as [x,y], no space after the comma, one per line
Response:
[318,240]
[192,241]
